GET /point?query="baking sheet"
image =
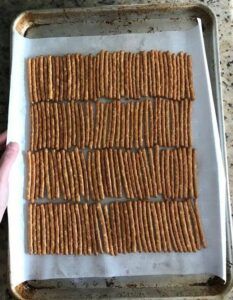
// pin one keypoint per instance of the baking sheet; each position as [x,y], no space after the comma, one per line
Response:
[211,260]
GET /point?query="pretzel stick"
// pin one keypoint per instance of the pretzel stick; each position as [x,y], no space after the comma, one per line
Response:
[178,76]
[185,170]
[194,170]
[65,175]
[89,175]
[74,229]
[164,242]
[70,175]
[47,224]
[122,139]
[176,174]
[190,77]
[184,227]
[131,126]
[177,123]
[138,90]
[85,178]
[91,116]
[104,175]
[157,169]
[170,75]
[92,227]
[187,84]
[134,92]
[133,167]
[103,228]
[41,67]
[30,229]
[123,174]
[181,173]
[37,174]
[151,124]
[126,79]
[93,62]
[146,125]
[137,229]
[43,229]
[56,175]
[132,172]
[52,228]
[56,229]
[182,75]
[132,226]
[113,125]
[94,177]
[189,226]
[113,228]
[164,123]
[144,174]
[168,125]
[84,232]
[34,84]
[130,75]
[136,110]
[170,229]
[98,173]
[29,175]
[127,173]
[101,78]
[80,225]
[149,73]
[123,227]
[122,73]
[109,231]
[140,175]
[158,108]
[108,173]
[155,222]
[152,172]
[200,229]
[172,172]
[118,124]
[166,75]
[160,73]
[172,123]
[113,174]
[195,224]
[100,134]
[80,172]
[110,85]
[140,125]
[150,226]
[30,81]
[127,227]
[36,124]
[97,230]
[141,226]
[38,230]
[37,70]
[174,226]
[114,74]
[88,229]
[127,124]
[60,175]
[117,173]
[47,177]
[173,57]
[118,227]
[96,130]
[32,130]
[148,175]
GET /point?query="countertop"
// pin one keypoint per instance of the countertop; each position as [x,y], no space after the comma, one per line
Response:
[10,9]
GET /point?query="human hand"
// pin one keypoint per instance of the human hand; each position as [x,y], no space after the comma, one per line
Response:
[9,155]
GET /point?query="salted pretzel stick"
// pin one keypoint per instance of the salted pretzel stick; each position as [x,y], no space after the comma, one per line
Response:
[145,73]
[30,229]
[170,75]
[43,229]
[168,126]
[86,78]
[158,120]
[47,228]
[108,173]
[137,230]
[165,224]
[164,123]
[126,79]
[47,177]
[113,130]
[105,125]
[75,175]
[40,127]
[65,175]
[190,77]
[162,173]
[151,123]
[146,164]
[152,172]
[194,170]
[113,228]
[45,74]
[144,174]
[38,230]
[34,84]
[81,76]
[73,123]
[82,126]
[176,174]
[132,226]
[172,123]
[57,77]
[150,226]
[73,77]
[96,130]
[103,228]
[97,230]
[185,170]
[164,242]
[189,123]
[101,78]
[37,66]
[29,175]
[170,229]
[52,228]
[182,75]
[30,81]
[65,77]
[127,227]
[88,228]
[146,125]
[174,226]
[90,78]
[78,75]
[118,226]
[123,174]
[134,92]
[61,127]
[157,169]
[69,125]
[200,229]
[61,78]
[155,222]
[84,230]
[153,73]
[99,175]
[141,226]
[185,122]
[80,225]
[74,229]
[138,90]
[177,123]
[118,124]
[91,115]
[190,172]
[159,73]
[104,175]
[61,175]
[140,175]
[131,127]
[136,177]
[92,228]
[110,77]
[94,177]
[172,172]
[56,228]
[56,175]
[178,76]
[130,75]
[113,173]
[37,171]
[140,125]
[94,85]
[117,173]
[132,172]
[135,128]
[122,73]
[70,175]
[80,172]
[127,173]
[166,74]
[32,130]
[149,73]
[189,226]
[187,84]
[56,124]
[184,227]
[65,131]
[173,59]
[122,139]
[61,229]
[106,74]
[195,224]
[127,124]
[167,173]
[89,174]
[87,123]
[123,227]
[85,178]
[36,127]
[100,134]
[109,231]
[114,71]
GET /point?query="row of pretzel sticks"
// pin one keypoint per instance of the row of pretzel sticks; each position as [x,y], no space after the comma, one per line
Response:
[110,125]
[111,75]
[119,227]
[98,174]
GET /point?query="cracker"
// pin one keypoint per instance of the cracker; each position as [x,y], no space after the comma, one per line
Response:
[122,138]
[109,231]
[155,222]
[136,111]
[131,127]
[87,123]
[189,226]
[48,234]
[94,177]
[85,176]
[164,242]
[92,228]
[151,123]
[113,228]
[56,175]
[184,227]
[140,125]
[69,125]
[170,75]
[117,173]
[194,224]
[88,228]
[200,229]
[150,226]
[185,170]
[127,228]
[136,177]
[30,81]
[65,174]
[118,124]
[103,228]
[99,175]
[187,84]
[137,229]
[113,173]
[52,228]
[170,228]
[56,228]
[82,126]
[127,173]
[147,169]
[146,125]
[138,90]
[132,226]
[157,169]
[74,229]
[126,70]
[30,229]
[166,75]
[123,227]
[113,125]
[118,226]
[141,226]
[38,230]
[182,75]
[122,73]
[190,77]
[80,172]
[152,172]
[86,78]
[123,174]
[61,175]
[91,116]
[83,226]
[79,226]
[174,226]
[70,175]
[97,230]
[127,124]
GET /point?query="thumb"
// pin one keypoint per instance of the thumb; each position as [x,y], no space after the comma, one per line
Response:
[8,159]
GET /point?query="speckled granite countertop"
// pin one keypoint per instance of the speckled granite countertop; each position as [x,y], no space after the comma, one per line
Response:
[9,10]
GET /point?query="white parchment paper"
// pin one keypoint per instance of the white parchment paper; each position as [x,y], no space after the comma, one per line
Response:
[205,138]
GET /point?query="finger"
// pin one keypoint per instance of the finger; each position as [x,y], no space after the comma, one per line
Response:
[7,160]
[3,137]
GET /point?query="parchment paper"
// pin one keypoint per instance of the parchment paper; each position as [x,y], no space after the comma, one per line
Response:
[205,139]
